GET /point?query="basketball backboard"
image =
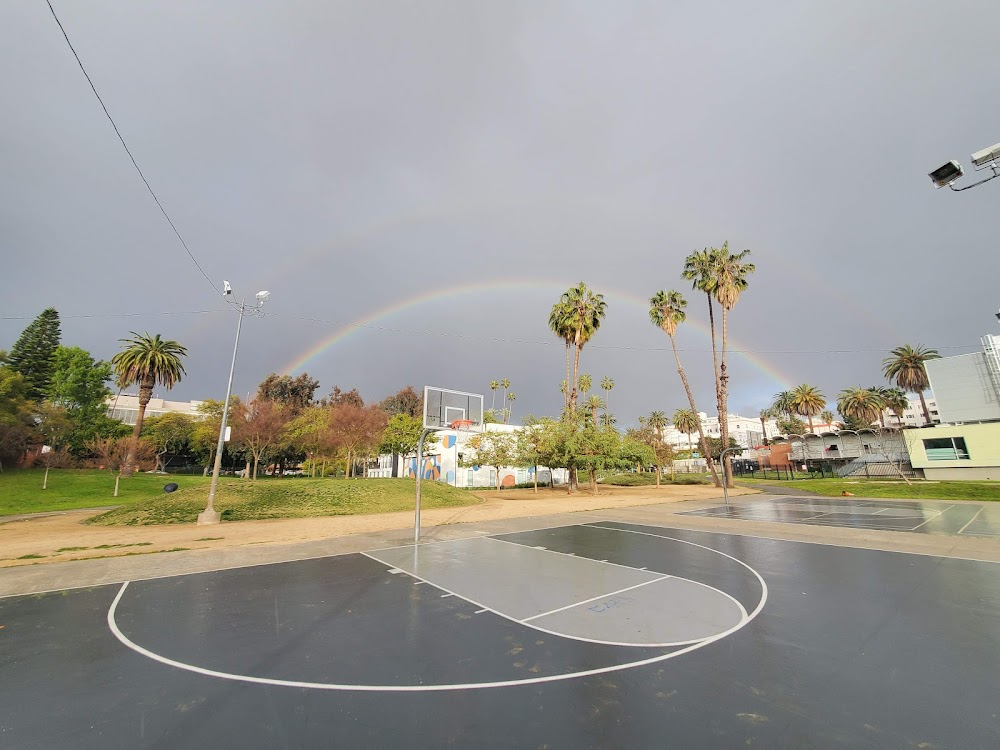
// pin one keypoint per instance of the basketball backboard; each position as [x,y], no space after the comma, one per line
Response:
[443,406]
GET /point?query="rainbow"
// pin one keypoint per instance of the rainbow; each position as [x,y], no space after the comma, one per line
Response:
[371,319]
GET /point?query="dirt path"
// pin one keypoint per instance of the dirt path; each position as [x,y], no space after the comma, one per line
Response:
[63,537]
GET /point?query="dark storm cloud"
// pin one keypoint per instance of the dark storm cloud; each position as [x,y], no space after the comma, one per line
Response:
[348,156]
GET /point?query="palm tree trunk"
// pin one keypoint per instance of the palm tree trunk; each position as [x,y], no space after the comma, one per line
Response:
[727,461]
[493,406]
[923,405]
[145,393]
[657,475]
[690,447]
[566,394]
[576,373]
[763,430]
[715,354]
[701,435]
[810,418]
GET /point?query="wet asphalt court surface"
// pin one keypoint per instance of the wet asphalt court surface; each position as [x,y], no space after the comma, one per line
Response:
[595,635]
[939,517]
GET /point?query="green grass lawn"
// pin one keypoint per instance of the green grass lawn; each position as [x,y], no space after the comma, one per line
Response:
[918,490]
[648,479]
[143,501]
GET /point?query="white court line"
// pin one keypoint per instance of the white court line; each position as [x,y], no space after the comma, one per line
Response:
[971,520]
[578,557]
[594,599]
[932,517]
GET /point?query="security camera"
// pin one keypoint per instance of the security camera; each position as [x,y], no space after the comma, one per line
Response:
[262,297]
[226,289]
[946,174]
[984,157]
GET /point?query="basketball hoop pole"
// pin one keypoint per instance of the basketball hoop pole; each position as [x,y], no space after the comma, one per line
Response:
[420,471]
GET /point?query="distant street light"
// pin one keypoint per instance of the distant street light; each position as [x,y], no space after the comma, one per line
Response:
[947,174]
[210,514]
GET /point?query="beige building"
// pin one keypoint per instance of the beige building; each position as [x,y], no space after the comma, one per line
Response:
[962,451]
[125,408]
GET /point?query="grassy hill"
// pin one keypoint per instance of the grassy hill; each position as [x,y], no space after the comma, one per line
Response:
[142,500]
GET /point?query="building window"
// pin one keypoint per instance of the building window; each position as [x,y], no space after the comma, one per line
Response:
[946,449]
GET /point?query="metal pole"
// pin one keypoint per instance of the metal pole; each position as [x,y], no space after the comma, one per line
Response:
[420,454]
[725,488]
[210,514]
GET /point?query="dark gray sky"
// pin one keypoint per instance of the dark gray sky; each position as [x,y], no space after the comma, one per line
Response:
[350,157]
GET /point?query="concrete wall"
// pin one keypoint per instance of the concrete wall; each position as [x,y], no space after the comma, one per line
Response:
[963,388]
[982,441]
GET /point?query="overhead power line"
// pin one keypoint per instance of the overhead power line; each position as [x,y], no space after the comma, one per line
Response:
[117,315]
[127,150]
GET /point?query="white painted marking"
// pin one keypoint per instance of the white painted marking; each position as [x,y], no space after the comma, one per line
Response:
[932,517]
[545,548]
[480,611]
[570,554]
[445,596]
[969,523]
[394,571]
[415,583]
[593,599]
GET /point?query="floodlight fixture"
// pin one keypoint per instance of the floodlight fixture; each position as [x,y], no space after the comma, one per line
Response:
[226,288]
[262,296]
[946,174]
[981,158]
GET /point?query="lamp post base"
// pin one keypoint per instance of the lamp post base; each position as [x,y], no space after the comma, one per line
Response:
[209,517]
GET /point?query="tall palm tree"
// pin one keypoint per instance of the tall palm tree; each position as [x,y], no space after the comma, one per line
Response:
[905,365]
[607,383]
[730,282]
[493,387]
[765,414]
[860,404]
[146,360]
[505,384]
[808,402]
[512,397]
[586,383]
[687,422]
[666,312]
[585,309]
[699,269]
[895,401]
[784,403]
[827,417]
[559,324]
[594,403]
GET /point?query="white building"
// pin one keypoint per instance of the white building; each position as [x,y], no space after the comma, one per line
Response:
[443,461]
[967,386]
[125,408]
[913,416]
[747,431]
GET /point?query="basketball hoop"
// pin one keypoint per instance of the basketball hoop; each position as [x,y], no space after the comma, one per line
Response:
[462,425]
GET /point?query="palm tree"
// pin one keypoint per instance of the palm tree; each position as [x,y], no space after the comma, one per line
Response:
[666,312]
[895,401]
[658,422]
[686,421]
[505,383]
[784,403]
[146,360]
[765,414]
[860,404]
[906,367]
[699,269]
[808,402]
[607,384]
[827,417]
[512,397]
[730,281]
[493,387]
[608,420]
[594,403]
[559,324]
[585,310]
[586,383]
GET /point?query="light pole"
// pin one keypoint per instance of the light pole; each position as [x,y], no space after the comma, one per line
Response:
[947,174]
[210,514]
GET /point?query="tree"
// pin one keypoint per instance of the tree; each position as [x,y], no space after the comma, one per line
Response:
[860,405]
[808,402]
[652,436]
[792,426]
[607,384]
[511,397]
[295,393]
[528,445]
[765,414]
[354,430]
[699,269]
[402,435]
[168,433]
[496,449]
[730,282]
[33,354]
[118,453]
[666,312]
[56,426]
[505,384]
[17,423]
[688,422]
[715,446]
[493,387]
[205,435]
[147,360]
[79,384]
[307,432]
[259,428]
[784,403]
[905,365]
[827,417]
[593,405]
[584,311]
[895,401]
[559,324]
[407,401]
[352,397]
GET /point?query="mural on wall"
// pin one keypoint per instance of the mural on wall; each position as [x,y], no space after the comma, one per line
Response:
[431,468]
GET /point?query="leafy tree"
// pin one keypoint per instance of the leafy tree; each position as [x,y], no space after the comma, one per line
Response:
[205,436]
[355,430]
[17,424]
[56,426]
[79,384]
[808,402]
[650,435]
[408,402]
[905,365]
[402,435]
[784,403]
[119,453]
[339,397]
[792,426]
[854,423]
[715,446]
[168,433]
[528,445]
[147,360]
[490,416]
[666,312]
[33,354]
[730,274]
[307,433]
[496,449]
[259,428]
[295,393]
